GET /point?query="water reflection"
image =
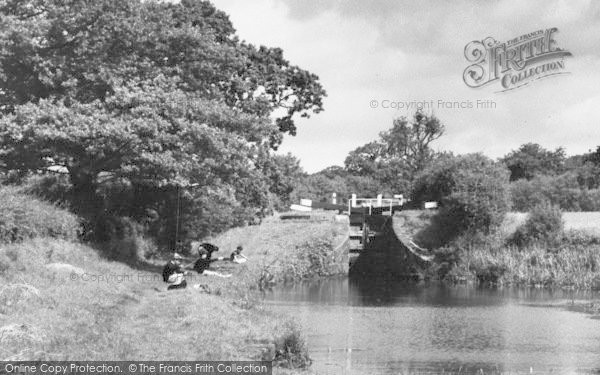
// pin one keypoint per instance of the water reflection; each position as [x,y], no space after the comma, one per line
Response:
[382,327]
[384,292]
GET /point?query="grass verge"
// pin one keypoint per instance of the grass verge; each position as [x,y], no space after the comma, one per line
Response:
[61,300]
[22,216]
[573,264]
[281,251]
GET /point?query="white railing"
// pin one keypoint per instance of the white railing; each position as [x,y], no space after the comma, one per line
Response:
[374,203]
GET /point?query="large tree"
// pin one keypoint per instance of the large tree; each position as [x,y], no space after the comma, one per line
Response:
[284,173]
[366,159]
[399,153]
[531,159]
[409,141]
[82,50]
[160,95]
[152,135]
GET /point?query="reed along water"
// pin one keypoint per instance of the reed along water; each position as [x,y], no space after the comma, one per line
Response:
[379,326]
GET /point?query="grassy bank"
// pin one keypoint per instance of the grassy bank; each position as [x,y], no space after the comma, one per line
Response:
[592,308]
[61,300]
[573,262]
[563,251]
[284,250]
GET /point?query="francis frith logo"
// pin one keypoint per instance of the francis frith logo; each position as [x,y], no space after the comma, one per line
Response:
[514,63]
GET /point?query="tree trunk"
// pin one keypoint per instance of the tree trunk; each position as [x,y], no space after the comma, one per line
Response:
[87,204]
[85,199]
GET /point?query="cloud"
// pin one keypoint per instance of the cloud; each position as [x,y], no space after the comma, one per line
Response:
[408,50]
[445,27]
[583,116]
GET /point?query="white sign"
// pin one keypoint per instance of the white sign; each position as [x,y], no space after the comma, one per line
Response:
[306,202]
[429,205]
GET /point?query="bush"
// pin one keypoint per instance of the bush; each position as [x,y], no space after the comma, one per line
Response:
[446,260]
[291,350]
[208,212]
[126,242]
[54,188]
[544,225]
[589,200]
[581,238]
[436,181]
[526,194]
[23,216]
[476,197]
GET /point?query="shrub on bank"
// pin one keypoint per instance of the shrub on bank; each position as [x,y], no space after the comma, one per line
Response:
[525,195]
[589,200]
[54,188]
[580,238]
[544,225]
[474,197]
[127,242]
[23,216]
[573,262]
[291,350]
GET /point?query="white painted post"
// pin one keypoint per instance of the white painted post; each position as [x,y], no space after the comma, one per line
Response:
[353,200]
[400,197]
[379,200]
[334,198]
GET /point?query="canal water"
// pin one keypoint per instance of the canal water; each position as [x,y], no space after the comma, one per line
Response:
[383,327]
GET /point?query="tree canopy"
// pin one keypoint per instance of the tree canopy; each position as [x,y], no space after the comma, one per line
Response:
[81,50]
[532,159]
[474,194]
[152,93]
[399,153]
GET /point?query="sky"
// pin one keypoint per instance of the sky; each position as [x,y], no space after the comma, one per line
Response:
[370,54]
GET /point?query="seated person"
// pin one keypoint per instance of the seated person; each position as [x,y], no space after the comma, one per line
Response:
[202,265]
[173,273]
[237,257]
[205,251]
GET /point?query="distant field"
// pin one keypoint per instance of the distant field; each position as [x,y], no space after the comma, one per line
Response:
[585,221]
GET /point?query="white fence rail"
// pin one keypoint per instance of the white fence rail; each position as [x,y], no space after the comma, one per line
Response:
[374,203]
